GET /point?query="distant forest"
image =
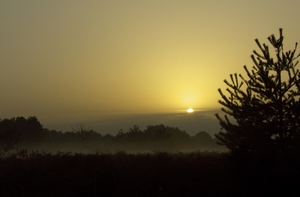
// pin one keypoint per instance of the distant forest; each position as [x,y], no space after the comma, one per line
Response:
[20,133]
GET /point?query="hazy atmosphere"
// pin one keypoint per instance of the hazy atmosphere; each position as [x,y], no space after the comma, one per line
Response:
[114,64]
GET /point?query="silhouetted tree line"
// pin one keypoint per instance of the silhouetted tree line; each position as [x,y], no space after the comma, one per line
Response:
[19,132]
[22,131]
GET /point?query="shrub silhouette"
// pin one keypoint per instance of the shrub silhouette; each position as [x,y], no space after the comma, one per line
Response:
[22,131]
[262,112]
[82,132]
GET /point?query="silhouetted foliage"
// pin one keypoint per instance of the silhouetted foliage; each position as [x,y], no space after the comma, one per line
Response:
[262,112]
[23,130]
[119,174]
[204,138]
[29,133]
[82,132]
[135,134]
[150,174]
[8,140]
[162,134]
[155,132]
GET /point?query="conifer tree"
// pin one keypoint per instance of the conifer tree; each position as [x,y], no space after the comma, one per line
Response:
[262,111]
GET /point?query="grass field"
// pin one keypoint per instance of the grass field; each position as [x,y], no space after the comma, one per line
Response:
[147,174]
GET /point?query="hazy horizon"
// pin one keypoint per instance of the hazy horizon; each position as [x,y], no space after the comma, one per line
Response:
[192,123]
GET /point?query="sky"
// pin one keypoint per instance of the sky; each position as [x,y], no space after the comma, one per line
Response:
[111,64]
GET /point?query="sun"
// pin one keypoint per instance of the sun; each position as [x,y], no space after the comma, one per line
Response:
[190,110]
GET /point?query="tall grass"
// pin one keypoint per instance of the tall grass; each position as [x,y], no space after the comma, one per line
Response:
[198,173]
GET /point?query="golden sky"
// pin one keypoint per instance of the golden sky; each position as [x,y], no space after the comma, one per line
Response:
[64,57]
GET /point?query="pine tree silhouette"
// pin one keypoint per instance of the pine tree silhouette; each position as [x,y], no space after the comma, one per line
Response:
[262,113]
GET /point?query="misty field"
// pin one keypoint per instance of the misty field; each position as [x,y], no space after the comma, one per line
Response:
[144,174]
[157,161]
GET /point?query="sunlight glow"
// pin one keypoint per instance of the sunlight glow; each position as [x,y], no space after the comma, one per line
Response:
[190,96]
[190,110]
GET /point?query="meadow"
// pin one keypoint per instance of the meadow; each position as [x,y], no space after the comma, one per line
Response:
[199,173]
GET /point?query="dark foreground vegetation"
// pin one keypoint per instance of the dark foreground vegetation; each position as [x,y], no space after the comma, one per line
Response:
[147,174]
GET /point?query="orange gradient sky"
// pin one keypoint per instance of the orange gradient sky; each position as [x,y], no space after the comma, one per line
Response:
[61,59]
